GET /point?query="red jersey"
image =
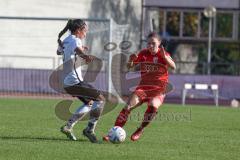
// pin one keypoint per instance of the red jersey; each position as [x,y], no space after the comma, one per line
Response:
[154,69]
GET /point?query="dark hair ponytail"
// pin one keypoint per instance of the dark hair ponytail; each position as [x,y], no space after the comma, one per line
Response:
[65,29]
[77,24]
[72,25]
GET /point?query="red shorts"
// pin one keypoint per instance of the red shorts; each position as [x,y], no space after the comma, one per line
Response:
[147,93]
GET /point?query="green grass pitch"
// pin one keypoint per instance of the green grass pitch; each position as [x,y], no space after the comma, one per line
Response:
[29,129]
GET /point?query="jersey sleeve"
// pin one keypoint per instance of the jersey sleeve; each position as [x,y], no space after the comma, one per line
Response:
[77,43]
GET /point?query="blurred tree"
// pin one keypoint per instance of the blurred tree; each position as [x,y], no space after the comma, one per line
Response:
[239,26]
[202,63]
[204,23]
[190,26]
[173,23]
[161,15]
[224,25]
[226,58]
[225,54]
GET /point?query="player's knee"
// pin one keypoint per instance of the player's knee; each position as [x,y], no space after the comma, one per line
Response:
[128,107]
[97,108]
[156,102]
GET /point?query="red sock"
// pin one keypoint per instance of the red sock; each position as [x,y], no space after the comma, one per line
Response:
[122,117]
[149,115]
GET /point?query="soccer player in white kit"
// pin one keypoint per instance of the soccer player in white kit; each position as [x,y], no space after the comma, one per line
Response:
[93,101]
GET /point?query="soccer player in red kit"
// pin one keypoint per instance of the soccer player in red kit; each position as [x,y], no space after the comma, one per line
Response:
[154,62]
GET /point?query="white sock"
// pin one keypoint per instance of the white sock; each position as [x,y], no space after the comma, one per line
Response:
[78,115]
[95,113]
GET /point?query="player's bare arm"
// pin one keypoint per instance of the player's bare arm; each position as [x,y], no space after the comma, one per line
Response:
[80,53]
[168,59]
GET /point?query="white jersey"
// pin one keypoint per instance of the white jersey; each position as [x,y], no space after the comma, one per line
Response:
[73,74]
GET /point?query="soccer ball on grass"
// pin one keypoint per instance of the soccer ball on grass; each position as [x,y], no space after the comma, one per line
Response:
[117,134]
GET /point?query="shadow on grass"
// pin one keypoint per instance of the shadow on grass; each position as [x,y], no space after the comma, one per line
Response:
[26,138]
[39,138]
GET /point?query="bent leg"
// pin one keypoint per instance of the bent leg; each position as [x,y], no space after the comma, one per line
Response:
[78,115]
[151,111]
[122,118]
[149,115]
[95,113]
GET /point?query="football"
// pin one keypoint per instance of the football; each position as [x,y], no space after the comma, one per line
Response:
[117,134]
